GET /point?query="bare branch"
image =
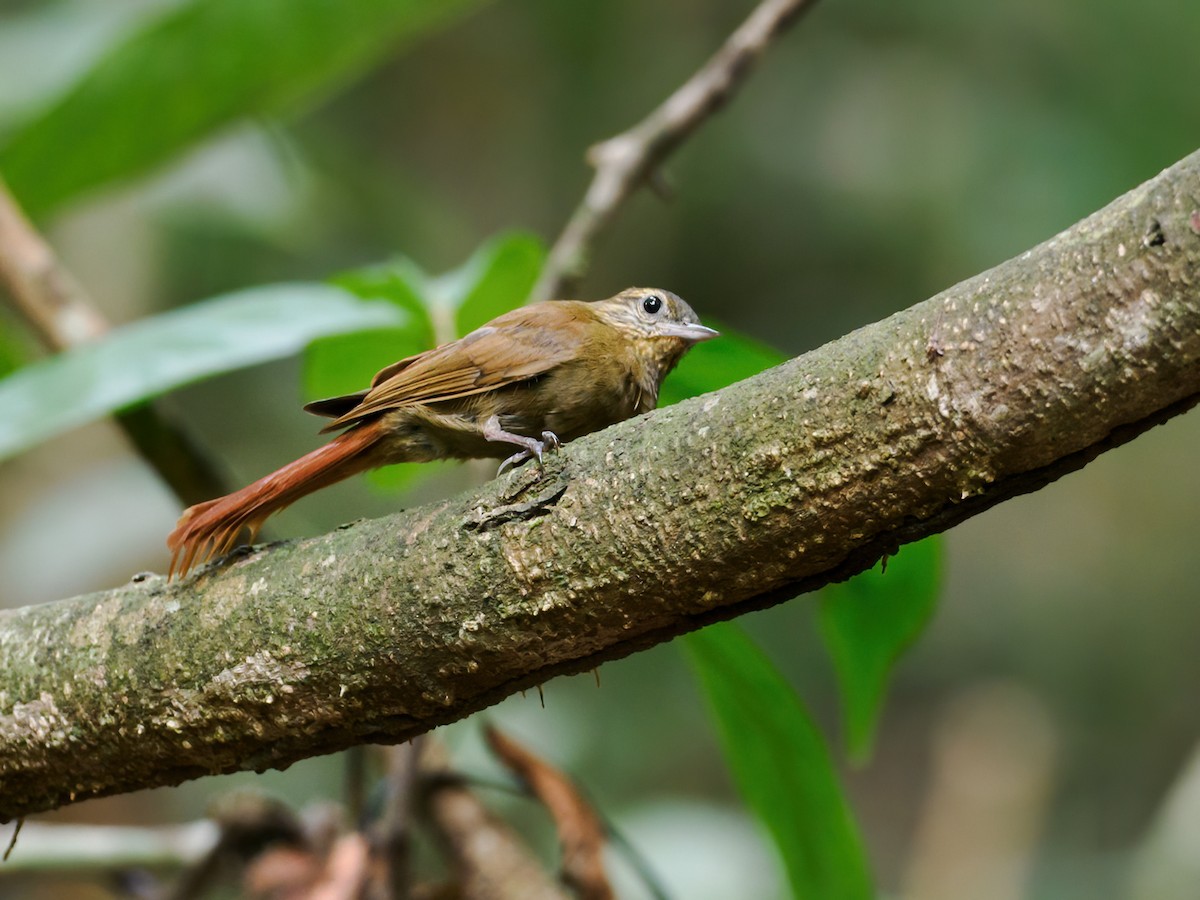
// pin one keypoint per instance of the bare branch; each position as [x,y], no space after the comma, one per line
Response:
[63,316]
[733,501]
[623,163]
[389,836]
[43,291]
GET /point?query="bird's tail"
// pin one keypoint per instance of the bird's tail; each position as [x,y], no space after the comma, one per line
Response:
[212,528]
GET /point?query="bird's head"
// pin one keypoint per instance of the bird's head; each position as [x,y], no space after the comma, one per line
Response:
[660,328]
[651,313]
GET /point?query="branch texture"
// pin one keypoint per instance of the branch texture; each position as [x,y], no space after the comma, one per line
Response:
[732,501]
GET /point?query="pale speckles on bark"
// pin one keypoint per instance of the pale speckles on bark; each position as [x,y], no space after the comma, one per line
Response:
[804,474]
[38,723]
[96,629]
[225,598]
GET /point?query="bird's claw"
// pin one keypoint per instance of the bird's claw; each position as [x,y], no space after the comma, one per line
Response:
[534,450]
[519,457]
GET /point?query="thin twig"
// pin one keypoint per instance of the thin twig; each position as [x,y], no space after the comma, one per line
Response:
[62,315]
[46,847]
[620,843]
[390,835]
[624,162]
[13,842]
[42,290]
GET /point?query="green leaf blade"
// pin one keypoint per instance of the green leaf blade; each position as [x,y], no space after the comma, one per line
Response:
[715,364]
[500,275]
[868,622]
[781,765]
[345,363]
[195,70]
[497,277]
[156,355]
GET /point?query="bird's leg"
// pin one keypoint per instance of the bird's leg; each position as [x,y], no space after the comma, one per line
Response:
[530,447]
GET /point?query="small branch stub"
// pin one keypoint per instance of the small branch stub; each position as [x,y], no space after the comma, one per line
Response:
[626,161]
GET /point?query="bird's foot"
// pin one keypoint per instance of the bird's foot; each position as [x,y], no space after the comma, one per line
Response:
[515,460]
[531,448]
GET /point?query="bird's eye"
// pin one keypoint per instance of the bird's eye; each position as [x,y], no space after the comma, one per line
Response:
[652,304]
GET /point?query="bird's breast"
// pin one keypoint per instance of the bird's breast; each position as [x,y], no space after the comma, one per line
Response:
[584,396]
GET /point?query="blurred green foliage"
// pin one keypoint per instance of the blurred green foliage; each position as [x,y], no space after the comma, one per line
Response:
[780,764]
[202,66]
[164,352]
[714,364]
[868,621]
[13,352]
[882,152]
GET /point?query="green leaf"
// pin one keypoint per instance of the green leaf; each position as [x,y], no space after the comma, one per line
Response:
[399,281]
[717,363]
[46,47]
[781,765]
[196,69]
[498,277]
[868,621]
[345,363]
[155,355]
[13,352]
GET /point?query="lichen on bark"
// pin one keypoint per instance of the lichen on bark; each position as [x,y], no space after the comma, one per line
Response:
[728,502]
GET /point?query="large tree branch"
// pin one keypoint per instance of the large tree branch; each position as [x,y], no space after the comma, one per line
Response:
[726,503]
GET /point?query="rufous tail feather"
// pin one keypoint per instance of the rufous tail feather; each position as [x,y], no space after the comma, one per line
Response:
[212,528]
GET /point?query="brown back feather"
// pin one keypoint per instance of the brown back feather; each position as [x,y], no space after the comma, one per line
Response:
[512,348]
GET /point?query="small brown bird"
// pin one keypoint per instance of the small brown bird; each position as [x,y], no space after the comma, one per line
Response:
[533,378]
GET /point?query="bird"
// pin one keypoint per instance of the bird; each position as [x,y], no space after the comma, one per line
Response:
[531,379]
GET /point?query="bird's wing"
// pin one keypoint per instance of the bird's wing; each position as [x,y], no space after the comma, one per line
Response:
[336,407]
[515,347]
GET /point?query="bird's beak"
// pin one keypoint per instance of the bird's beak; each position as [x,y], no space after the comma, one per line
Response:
[692,333]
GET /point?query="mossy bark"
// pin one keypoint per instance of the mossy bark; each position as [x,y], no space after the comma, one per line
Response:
[729,502]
